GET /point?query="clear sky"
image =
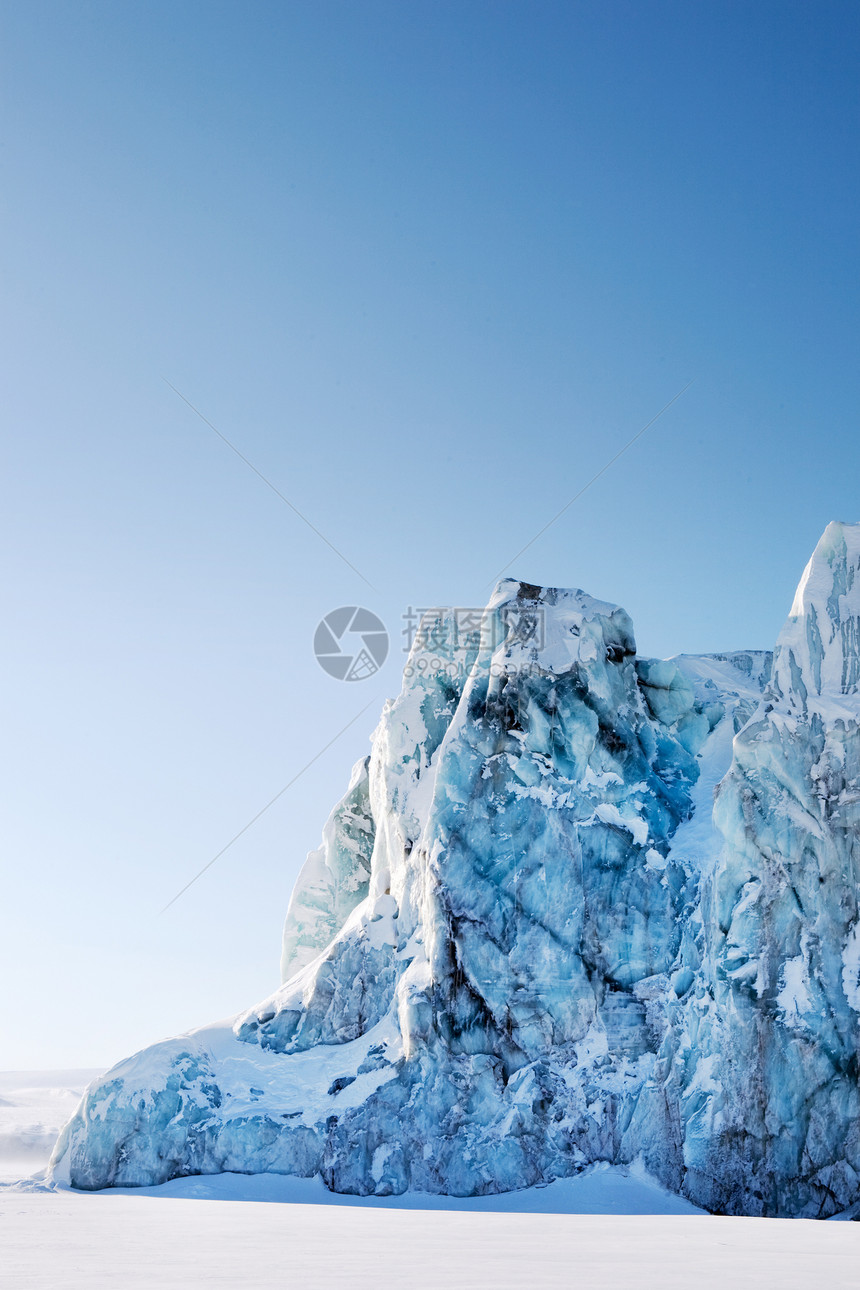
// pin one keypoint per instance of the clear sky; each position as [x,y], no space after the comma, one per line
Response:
[428,265]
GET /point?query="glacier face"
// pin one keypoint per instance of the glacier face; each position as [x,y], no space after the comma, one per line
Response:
[783,929]
[576,906]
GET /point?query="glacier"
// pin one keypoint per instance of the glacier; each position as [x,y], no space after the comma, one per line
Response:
[577,906]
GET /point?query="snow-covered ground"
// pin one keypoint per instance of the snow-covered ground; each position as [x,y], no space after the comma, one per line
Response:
[608,1227]
[157,1237]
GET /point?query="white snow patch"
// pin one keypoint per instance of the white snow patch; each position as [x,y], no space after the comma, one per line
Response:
[851,968]
[635,826]
[793,997]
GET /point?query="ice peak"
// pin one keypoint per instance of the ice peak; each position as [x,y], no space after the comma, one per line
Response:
[510,590]
[818,651]
[559,626]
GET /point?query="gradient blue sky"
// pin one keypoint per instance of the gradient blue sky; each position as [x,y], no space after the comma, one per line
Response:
[429,266]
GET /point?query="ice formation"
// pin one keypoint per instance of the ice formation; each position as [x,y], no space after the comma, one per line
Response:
[576,906]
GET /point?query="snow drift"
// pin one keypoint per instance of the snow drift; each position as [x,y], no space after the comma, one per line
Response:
[576,906]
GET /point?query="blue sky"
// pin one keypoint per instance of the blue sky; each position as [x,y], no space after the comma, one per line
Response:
[429,266]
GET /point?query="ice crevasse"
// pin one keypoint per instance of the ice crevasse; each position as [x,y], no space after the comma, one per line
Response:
[576,906]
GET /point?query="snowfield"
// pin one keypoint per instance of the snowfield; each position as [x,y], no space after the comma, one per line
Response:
[163,1237]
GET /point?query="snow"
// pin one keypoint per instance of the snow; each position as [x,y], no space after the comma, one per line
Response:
[610,814]
[793,997]
[851,968]
[190,1234]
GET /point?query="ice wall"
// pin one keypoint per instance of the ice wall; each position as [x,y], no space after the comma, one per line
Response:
[576,906]
[783,934]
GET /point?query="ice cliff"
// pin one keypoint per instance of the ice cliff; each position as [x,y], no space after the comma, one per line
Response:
[576,906]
